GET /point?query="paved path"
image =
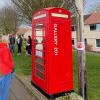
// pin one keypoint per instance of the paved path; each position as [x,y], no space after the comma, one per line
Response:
[23,90]
[18,92]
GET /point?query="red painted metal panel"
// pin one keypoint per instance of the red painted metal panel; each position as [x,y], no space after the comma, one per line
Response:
[52,50]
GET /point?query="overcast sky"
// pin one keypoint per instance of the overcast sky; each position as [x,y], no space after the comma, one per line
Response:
[4,3]
[89,3]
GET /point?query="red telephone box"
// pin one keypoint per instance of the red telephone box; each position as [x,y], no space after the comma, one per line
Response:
[52,51]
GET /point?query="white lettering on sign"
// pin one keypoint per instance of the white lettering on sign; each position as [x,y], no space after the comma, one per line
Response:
[55,34]
[56,51]
[55,39]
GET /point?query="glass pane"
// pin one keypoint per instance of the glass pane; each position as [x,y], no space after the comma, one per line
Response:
[98,42]
[39,53]
[39,60]
[39,47]
[93,27]
[39,26]
[39,67]
[39,74]
[39,32]
[39,39]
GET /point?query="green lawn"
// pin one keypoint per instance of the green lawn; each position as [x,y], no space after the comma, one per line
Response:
[22,63]
[23,67]
[93,75]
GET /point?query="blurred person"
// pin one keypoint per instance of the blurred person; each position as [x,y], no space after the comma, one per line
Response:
[12,43]
[9,42]
[19,44]
[29,46]
[6,69]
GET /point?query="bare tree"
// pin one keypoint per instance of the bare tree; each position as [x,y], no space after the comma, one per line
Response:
[8,20]
[27,7]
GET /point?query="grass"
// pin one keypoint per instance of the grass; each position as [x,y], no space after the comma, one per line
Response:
[93,75]
[23,67]
[22,62]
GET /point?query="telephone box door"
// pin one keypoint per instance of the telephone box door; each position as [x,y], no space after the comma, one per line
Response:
[39,50]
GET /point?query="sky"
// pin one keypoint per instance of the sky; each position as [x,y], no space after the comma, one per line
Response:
[88,4]
[4,3]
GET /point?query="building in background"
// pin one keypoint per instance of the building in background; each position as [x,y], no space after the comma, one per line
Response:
[91,32]
[24,32]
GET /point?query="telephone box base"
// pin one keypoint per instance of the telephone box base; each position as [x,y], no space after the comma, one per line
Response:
[50,96]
